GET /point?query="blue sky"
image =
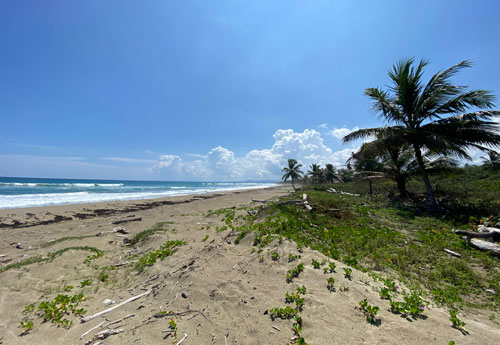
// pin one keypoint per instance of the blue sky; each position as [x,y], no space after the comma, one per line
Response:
[213,90]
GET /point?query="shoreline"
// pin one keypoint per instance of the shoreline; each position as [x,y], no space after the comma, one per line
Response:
[47,199]
[23,217]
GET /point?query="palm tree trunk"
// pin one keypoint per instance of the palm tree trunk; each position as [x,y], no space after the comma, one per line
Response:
[401,183]
[420,161]
[293,185]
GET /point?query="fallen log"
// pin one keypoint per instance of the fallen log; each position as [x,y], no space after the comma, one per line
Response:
[494,235]
[485,245]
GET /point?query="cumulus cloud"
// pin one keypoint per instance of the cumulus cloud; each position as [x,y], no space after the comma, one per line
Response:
[221,164]
[339,133]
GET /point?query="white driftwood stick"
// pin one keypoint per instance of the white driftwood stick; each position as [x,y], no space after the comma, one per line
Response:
[88,318]
[276,328]
[304,197]
[104,334]
[90,330]
[225,339]
[452,253]
[183,338]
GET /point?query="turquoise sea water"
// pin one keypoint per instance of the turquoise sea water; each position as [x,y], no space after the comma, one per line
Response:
[31,192]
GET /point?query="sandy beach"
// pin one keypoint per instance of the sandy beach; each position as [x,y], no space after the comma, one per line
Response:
[216,291]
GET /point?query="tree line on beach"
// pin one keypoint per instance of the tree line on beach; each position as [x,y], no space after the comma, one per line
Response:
[428,126]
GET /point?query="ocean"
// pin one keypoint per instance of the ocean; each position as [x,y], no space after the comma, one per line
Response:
[18,192]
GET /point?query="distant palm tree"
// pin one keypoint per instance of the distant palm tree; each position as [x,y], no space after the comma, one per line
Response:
[492,160]
[315,173]
[430,118]
[329,173]
[292,171]
[383,157]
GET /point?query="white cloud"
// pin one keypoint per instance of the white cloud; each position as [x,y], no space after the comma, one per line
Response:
[323,125]
[221,164]
[339,133]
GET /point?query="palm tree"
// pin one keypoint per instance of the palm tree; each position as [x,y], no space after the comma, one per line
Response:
[315,173]
[292,171]
[431,117]
[384,158]
[492,160]
[329,173]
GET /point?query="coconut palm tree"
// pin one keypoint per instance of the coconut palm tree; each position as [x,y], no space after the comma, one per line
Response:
[329,173]
[315,173]
[292,171]
[431,117]
[383,157]
[492,160]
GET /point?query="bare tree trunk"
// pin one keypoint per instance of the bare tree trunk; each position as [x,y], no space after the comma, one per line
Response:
[420,161]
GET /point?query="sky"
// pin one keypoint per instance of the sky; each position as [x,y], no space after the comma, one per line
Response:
[214,90]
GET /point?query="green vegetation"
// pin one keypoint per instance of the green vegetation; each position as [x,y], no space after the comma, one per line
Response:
[294,272]
[148,259]
[142,236]
[369,311]
[52,255]
[455,321]
[55,311]
[283,313]
[62,239]
[381,234]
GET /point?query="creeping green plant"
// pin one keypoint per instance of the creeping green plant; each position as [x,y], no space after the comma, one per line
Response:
[369,311]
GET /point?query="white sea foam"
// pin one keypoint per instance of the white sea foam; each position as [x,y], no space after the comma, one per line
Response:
[35,200]
[80,185]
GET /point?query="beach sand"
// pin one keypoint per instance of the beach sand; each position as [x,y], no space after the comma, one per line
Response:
[216,291]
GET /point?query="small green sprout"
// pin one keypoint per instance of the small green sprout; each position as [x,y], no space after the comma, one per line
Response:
[348,272]
[315,264]
[275,255]
[456,322]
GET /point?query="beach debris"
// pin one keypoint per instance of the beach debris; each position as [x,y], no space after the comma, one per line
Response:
[184,338]
[90,330]
[120,230]
[108,301]
[119,320]
[483,239]
[458,255]
[332,190]
[131,299]
[183,295]
[120,221]
[104,334]
[17,245]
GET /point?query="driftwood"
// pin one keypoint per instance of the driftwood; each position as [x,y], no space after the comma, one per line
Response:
[91,317]
[120,221]
[183,338]
[458,255]
[90,330]
[485,245]
[476,239]
[104,334]
[494,235]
